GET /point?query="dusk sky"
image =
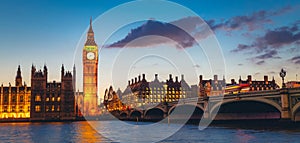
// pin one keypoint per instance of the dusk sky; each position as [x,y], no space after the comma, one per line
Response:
[256,37]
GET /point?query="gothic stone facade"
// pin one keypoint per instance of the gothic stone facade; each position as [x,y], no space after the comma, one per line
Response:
[51,100]
[15,100]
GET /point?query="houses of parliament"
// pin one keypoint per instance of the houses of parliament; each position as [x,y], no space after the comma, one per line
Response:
[43,101]
[53,101]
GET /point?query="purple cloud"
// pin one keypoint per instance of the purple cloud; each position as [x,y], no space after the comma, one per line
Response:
[250,22]
[241,47]
[268,55]
[196,66]
[154,29]
[272,41]
[260,62]
[295,60]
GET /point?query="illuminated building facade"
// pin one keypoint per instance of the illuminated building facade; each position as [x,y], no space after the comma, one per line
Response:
[15,100]
[112,101]
[51,100]
[292,84]
[79,103]
[211,87]
[90,74]
[177,89]
[254,85]
[141,93]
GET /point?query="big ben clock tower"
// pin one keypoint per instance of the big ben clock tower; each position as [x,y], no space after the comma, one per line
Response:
[90,74]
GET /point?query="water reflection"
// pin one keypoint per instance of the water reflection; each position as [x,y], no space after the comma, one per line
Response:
[243,137]
[82,132]
[49,132]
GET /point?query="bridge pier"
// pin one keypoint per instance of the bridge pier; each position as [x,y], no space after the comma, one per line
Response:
[206,114]
[285,104]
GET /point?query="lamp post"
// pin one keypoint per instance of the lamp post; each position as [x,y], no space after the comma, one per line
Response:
[282,75]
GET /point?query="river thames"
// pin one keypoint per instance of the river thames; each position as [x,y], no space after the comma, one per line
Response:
[65,132]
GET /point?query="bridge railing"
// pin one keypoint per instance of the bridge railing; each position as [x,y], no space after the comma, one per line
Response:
[188,100]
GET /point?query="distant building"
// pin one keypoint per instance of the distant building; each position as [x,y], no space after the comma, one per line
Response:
[15,100]
[141,93]
[293,84]
[265,84]
[51,100]
[112,100]
[211,87]
[79,101]
[249,85]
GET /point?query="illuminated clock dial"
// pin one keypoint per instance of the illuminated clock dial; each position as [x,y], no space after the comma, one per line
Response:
[90,55]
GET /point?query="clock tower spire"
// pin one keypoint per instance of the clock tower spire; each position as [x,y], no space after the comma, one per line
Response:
[90,74]
[90,36]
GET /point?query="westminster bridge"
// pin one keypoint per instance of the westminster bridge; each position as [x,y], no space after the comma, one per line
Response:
[283,104]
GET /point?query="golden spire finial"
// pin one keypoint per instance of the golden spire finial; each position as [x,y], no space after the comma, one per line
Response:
[91,20]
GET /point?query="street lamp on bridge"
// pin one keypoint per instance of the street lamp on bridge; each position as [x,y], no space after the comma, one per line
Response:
[282,75]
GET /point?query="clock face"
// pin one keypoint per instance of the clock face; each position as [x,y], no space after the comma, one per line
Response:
[90,55]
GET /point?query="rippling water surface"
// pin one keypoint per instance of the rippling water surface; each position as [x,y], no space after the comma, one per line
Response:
[82,132]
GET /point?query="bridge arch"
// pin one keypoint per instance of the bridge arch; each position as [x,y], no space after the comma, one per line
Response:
[229,109]
[154,114]
[123,115]
[295,112]
[135,114]
[197,113]
[158,107]
[178,105]
[115,113]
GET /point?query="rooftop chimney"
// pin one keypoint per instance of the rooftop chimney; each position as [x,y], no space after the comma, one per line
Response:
[156,76]
[215,77]
[249,78]
[233,81]
[200,78]
[266,79]
[135,80]
[143,76]
[139,78]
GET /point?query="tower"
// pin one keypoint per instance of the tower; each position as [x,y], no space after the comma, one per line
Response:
[67,97]
[90,73]
[74,78]
[38,88]
[18,80]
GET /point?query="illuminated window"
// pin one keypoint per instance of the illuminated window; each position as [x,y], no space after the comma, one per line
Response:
[38,98]
[52,108]
[13,109]
[58,98]
[14,98]
[37,108]
[52,99]
[58,108]
[5,98]
[5,109]
[47,99]
[47,108]
[21,108]
[21,98]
